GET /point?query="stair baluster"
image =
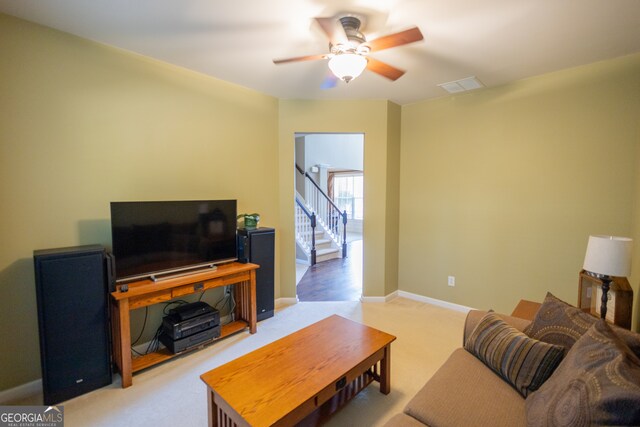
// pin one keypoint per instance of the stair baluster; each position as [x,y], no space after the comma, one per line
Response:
[306,229]
[328,213]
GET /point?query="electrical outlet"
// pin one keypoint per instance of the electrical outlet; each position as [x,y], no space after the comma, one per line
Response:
[451,281]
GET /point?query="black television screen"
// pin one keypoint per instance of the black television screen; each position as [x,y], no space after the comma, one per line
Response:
[161,237]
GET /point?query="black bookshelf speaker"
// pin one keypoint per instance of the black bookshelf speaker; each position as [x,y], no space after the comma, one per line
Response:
[73,321]
[258,246]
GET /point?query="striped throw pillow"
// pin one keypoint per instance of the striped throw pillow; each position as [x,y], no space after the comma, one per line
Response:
[523,362]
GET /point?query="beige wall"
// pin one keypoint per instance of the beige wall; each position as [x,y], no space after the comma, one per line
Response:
[371,118]
[635,267]
[392,225]
[502,187]
[499,187]
[81,125]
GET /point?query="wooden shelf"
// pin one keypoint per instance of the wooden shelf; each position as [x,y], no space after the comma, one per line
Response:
[145,292]
[142,362]
[139,363]
[620,301]
[232,328]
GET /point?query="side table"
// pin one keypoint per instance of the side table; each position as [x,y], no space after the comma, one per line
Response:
[526,309]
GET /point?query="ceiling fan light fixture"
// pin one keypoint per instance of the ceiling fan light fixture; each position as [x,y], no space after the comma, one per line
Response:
[347,66]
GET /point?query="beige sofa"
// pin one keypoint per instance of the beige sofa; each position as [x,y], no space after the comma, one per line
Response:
[464,392]
[595,382]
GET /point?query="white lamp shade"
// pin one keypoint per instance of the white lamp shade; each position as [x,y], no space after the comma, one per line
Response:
[608,256]
[347,66]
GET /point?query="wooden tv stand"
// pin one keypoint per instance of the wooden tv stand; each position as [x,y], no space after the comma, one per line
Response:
[143,293]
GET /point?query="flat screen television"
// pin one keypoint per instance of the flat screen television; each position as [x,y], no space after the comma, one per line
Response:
[155,238]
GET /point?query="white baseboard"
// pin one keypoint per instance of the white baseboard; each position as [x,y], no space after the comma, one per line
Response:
[21,392]
[283,302]
[387,298]
[433,301]
[373,299]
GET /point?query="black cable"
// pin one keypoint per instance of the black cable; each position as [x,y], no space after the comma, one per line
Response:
[232,307]
[224,296]
[178,302]
[154,344]
[146,314]
[227,300]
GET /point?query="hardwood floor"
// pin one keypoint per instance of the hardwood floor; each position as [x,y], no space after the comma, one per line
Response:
[338,279]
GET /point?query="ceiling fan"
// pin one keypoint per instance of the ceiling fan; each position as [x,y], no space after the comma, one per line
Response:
[349,49]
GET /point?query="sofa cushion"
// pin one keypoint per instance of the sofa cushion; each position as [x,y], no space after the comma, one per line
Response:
[464,392]
[403,420]
[598,383]
[523,362]
[563,324]
[474,317]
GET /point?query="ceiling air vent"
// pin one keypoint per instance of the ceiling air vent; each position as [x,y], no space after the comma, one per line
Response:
[462,85]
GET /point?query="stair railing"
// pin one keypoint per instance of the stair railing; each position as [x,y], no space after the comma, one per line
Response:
[306,229]
[328,213]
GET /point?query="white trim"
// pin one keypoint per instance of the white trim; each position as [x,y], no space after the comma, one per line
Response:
[21,392]
[433,301]
[373,299]
[387,298]
[280,302]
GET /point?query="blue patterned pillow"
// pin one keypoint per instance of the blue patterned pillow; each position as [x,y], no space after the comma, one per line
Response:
[560,323]
[597,384]
[523,362]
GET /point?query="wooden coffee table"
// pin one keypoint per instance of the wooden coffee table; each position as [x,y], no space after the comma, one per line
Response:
[311,372]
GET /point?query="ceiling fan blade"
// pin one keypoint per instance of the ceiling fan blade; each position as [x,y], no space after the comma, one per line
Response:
[397,39]
[299,58]
[333,29]
[329,82]
[384,69]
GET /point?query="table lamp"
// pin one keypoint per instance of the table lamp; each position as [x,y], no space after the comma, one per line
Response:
[608,256]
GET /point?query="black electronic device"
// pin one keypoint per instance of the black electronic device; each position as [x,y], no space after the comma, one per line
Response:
[73,320]
[194,309]
[151,238]
[258,246]
[177,328]
[190,342]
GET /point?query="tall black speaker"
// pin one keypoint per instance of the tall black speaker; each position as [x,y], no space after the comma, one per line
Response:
[258,246]
[73,319]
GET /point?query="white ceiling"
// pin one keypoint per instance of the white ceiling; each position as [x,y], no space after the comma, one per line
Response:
[498,41]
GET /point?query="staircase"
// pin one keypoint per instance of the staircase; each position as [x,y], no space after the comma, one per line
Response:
[326,248]
[321,229]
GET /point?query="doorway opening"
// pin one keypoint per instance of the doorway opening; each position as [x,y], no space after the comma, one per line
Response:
[329,204]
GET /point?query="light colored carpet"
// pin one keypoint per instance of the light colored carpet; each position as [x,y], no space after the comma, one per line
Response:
[172,394]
